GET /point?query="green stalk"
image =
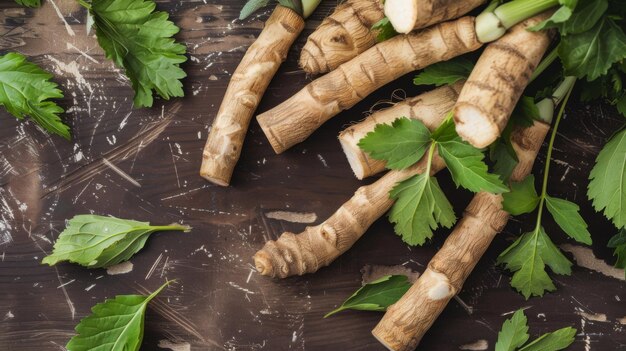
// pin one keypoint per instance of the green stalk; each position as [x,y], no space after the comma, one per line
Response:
[308,6]
[517,11]
[431,153]
[544,64]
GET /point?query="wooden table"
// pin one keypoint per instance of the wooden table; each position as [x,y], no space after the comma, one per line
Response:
[219,302]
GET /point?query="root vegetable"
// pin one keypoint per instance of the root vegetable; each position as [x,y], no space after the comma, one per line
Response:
[295,119]
[318,246]
[342,36]
[498,81]
[247,86]
[406,322]
[407,15]
[431,108]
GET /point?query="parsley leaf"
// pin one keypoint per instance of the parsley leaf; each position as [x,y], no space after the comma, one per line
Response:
[465,162]
[514,332]
[24,91]
[528,256]
[401,144]
[618,242]
[377,295]
[98,241]
[139,39]
[29,3]
[115,324]
[522,198]
[420,208]
[447,72]
[385,30]
[566,215]
[607,188]
[557,340]
[251,7]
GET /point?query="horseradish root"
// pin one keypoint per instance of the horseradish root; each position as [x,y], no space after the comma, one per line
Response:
[430,108]
[405,323]
[407,15]
[246,87]
[497,82]
[342,36]
[295,119]
[318,246]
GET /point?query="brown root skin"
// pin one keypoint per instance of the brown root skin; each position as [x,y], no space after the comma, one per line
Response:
[408,15]
[295,119]
[342,36]
[405,323]
[318,246]
[498,81]
[246,87]
[430,108]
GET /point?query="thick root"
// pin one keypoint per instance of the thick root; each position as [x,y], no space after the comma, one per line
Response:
[316,247]
[246,87]
[295,119]
[431,108]
[405,323]
[408,15]
[497,82]
[342,36]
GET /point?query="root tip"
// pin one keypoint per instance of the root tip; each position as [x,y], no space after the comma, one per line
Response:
[263,264]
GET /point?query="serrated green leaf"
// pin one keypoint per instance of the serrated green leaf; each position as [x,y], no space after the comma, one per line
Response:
[139,39]
[377,295]
[251,7]
[29,3]
[114,325]
[98,241]
[401,144]
[525,112]
[607,188]
[444,73]
[514,332]
[384,30]
[566,215]
[618,243]
[420,208]
[527,258]
[522,198]
[24,91]
[557,340]
[591,53]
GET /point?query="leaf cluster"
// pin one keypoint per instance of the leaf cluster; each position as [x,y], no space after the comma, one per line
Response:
[514,335]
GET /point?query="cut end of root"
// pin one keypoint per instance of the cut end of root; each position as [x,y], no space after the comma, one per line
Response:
[474,126]
[402,14]
[208,175]
[309,59]
[380,339]
[263,264]
[278,147]
[354,156]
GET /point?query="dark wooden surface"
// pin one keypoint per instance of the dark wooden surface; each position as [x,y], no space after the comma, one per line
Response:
[218,301]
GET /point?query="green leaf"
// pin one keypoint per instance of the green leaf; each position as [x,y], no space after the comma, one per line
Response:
[377,295]
[466,164]
[420,208]
[251,7]
[557,340]
[514,332]
[139,39]
[114,325]
[591,53]
[295,5]
[98,241]
[584,17]
[566,215]
[621,105]
[523,197]
[447,72]
[528,256]
[29,3]
[559,16]
[401,144]
[607,188]
[24,91]
[525,112]
[618,242]
[385,30]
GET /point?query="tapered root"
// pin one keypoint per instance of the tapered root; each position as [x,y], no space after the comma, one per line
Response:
[342,36]
[405,323]
[408,15]
[295,119]
[430,108]
[318,246]
[497,82]
[246,87]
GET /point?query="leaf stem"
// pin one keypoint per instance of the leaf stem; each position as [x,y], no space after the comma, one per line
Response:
[84,4]
[431,153]
[545,63]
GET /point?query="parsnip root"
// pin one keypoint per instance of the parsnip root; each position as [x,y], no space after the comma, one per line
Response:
[405,323]
[316,247]
[407,15]
[295,119]
[246,87]
[498,81]
[342,36]
[431,108]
